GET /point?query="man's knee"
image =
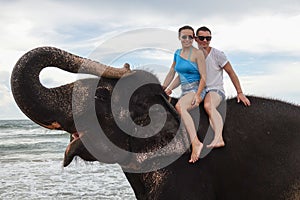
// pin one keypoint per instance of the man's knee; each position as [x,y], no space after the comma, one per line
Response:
[207,106]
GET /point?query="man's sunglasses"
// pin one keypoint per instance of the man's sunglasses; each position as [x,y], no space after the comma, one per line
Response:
[208,38]
[184,37]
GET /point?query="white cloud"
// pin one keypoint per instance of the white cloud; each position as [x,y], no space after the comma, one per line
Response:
[4,96]
[259,27]
[282,83]
[261,34]
[7,105]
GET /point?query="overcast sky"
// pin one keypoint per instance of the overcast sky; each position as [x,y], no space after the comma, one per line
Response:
[261,38]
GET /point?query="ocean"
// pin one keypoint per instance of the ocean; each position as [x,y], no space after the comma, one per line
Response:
[31,167]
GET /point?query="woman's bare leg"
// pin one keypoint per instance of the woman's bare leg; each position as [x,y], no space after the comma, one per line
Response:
[182,107]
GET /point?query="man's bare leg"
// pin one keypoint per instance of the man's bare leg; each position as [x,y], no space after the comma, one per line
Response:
[211,102]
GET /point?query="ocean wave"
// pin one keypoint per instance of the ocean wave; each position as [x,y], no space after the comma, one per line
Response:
[18,124]
[31,162]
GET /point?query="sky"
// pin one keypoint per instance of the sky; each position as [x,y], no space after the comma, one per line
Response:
[260,38]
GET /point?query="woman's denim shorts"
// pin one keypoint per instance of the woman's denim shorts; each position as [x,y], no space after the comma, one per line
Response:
[192,87]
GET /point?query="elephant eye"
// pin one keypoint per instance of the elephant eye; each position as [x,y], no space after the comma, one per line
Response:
[102,94]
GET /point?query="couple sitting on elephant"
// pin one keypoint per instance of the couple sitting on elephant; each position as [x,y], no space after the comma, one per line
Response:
[200,73]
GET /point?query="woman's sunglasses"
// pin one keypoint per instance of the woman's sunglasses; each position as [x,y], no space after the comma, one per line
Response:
[189,37]
[208,38]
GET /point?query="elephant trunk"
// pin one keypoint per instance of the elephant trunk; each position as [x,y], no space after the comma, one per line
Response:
[52,107]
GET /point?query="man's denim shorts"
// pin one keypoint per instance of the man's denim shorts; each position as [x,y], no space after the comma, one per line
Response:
[192,87]
[219,93]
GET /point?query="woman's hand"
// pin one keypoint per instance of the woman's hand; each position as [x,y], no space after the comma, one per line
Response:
[196,100]
[168,91]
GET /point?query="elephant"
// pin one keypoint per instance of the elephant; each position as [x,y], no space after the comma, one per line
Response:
[260,160]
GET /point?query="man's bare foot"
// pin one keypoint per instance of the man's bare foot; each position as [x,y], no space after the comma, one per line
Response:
[196,150]
[217,142]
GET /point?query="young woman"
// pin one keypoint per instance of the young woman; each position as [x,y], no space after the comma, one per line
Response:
[189,63]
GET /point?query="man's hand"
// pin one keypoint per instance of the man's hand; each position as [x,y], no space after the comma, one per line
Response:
[243,98]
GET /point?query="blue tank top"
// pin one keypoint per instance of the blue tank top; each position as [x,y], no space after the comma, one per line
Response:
[187,70]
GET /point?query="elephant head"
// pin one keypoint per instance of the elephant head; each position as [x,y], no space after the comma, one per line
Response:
[93,110]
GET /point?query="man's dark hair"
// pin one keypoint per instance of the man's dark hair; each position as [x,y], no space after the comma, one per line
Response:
[186,27]
[203,28]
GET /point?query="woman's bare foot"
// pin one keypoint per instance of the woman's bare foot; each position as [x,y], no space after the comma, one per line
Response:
[217,142]
[196,150]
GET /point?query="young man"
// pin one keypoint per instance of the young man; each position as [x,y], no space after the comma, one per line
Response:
[216,62]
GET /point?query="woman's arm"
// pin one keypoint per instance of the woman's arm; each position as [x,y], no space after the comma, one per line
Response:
[169,76]
[200,59]
[175,83]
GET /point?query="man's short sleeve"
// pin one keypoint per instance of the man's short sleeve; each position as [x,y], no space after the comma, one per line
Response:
[221,58]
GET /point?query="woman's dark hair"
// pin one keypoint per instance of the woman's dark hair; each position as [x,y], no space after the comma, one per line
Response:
[203,28]
[186,27]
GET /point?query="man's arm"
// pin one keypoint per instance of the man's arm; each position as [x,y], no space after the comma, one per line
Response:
[200,59]
[235,80]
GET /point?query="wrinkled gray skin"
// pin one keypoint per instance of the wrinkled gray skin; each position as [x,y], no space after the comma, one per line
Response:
[260,161]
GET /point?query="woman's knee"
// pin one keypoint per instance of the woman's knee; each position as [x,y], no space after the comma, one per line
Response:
[178,108]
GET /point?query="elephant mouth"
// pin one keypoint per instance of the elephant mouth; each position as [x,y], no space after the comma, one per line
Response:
[76,148]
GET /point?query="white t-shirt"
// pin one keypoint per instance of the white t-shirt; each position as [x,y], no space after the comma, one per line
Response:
[215,61]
